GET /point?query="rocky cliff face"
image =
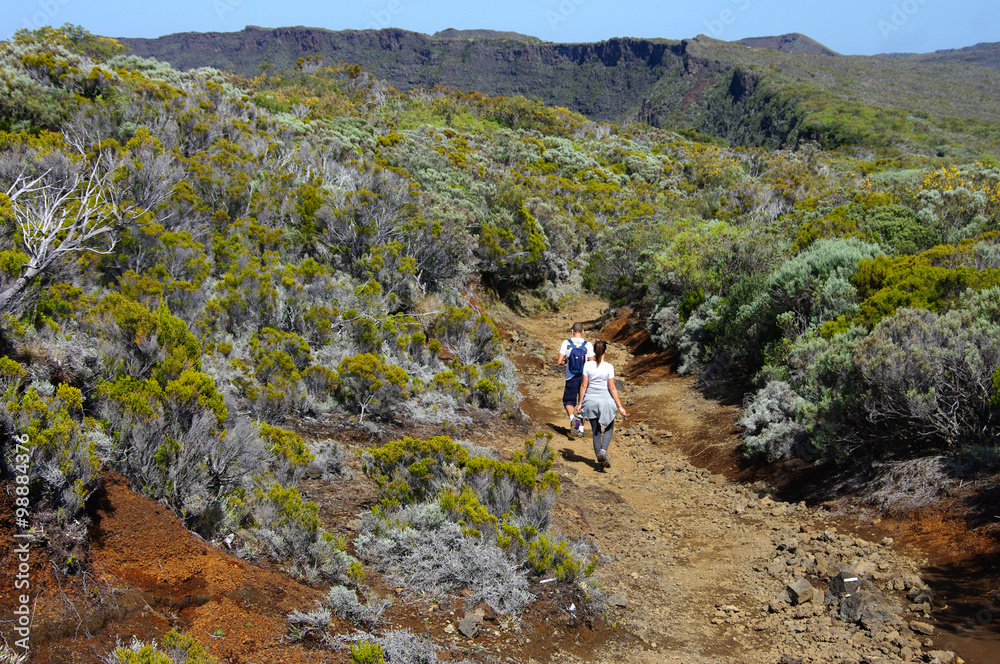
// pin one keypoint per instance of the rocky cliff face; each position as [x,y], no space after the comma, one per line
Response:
[720,88]
[605,80]
[656,81]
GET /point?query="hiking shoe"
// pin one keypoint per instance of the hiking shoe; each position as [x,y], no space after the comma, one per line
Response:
[579,431]
[602,459]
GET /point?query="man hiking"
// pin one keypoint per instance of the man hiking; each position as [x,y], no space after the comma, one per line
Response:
[574,353]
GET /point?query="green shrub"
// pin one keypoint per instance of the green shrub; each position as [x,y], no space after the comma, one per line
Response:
[932,280]
[471,336]
[931,377]
[897,228]
[805,292]
[62,444]
[174,648]
[369,385]
[408,470]
[285,444]
[537,452]
[171,444]
[290,510]
[982,458]
[190,395]
[918,380]
[367,652]
[622,264]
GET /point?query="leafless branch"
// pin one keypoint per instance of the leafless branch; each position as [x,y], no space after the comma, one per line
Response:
[81,214]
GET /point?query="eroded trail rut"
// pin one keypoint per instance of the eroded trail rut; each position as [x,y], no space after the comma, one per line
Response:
[693,561]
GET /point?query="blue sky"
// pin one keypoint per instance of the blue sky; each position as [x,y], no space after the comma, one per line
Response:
[848,26]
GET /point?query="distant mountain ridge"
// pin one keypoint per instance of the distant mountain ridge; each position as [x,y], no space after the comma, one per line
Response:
[583,77]
[985,54]
[790,43]
[758,91]
[452,33]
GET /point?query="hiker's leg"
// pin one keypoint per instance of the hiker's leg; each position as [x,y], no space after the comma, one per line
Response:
[595,426]
[570,412]
[606,438]
[570,394]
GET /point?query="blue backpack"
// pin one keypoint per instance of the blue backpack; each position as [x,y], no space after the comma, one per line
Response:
[577,357]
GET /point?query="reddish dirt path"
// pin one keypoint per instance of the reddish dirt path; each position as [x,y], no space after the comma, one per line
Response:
[676,551]
[679,541]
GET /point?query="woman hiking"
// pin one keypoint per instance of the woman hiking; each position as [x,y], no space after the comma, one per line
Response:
[599,402]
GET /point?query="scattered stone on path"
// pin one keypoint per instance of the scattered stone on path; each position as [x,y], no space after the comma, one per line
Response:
[868,608]
[790,545]
[800,591]
[843,584]
[922,628]
[921,596]
[911,581]
[618,600]
[471,623]
[777,605]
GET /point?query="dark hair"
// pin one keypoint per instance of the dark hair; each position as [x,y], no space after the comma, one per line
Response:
[600,348]
[577,327]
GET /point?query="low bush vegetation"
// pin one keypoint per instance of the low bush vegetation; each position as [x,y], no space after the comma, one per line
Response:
[450,521]
[173,648]
[232,257]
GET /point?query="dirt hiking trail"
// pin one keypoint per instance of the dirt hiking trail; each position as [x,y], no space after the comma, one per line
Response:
[695,565]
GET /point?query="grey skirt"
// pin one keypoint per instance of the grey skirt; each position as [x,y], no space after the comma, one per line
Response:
[601,407]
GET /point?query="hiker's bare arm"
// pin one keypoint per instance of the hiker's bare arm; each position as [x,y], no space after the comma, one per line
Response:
[562,359]
[583,392]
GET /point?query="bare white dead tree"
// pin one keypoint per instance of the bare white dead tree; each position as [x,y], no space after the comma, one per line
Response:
[54,220]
